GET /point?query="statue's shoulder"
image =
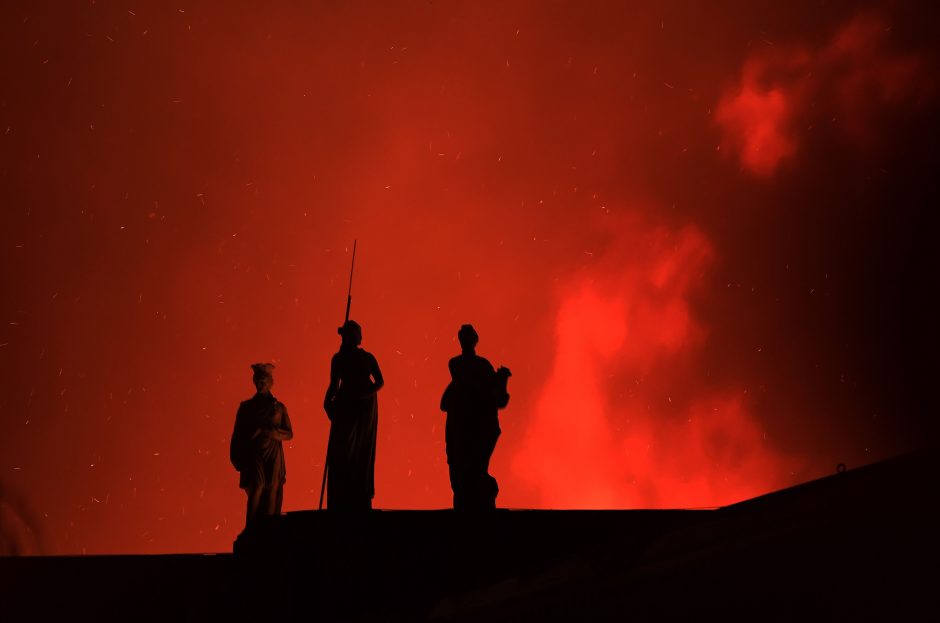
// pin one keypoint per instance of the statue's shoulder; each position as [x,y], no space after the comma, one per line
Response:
[483,362]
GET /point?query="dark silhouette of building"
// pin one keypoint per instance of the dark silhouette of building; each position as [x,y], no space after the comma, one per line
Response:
[472,401]
[351,403]
[854,546]
[256,451]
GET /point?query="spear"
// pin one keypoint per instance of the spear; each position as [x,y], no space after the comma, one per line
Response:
[326,463]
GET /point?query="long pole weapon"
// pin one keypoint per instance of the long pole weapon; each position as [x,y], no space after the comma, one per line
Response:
[326,463]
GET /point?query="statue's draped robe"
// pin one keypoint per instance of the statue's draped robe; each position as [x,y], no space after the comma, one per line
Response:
[354,414]
[256,449]
[472,401]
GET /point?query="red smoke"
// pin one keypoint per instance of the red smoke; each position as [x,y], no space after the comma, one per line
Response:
[624,420]
[758,119]
[181,187]
[848,84]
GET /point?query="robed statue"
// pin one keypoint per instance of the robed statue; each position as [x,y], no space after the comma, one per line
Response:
[472,401]
[256,449]
[351,403]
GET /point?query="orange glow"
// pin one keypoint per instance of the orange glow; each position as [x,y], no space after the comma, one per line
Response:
[757,120]
[849,83]
[605,433]
[596,187]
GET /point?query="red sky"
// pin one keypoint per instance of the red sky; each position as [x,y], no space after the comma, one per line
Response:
[695,233]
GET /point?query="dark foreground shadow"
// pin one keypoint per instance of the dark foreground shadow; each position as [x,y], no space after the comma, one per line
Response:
[852,546]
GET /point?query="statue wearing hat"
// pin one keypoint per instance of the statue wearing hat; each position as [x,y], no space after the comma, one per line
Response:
[256,450]
[351,403]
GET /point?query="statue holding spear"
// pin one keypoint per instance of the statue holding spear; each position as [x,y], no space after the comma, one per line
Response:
[351,404]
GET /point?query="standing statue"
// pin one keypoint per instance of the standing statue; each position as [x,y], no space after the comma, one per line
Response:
[472,400]
[351,403]
[256,451]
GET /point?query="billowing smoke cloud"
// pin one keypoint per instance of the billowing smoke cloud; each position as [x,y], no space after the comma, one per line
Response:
[181,189]
[625,419]
[848,84]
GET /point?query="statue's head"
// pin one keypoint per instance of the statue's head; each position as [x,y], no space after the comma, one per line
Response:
[467,336]
[263,376]
[351,333]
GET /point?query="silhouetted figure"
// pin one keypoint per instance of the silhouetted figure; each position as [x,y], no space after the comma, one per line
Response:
[472,400]
[261,424]
[352,405]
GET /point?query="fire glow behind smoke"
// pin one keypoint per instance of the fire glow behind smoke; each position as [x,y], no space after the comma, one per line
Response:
[850,83]
[181,186]
[603,435]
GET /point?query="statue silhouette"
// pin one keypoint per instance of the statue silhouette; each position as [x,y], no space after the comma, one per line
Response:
[472,400]
[351,403]
[261,425]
